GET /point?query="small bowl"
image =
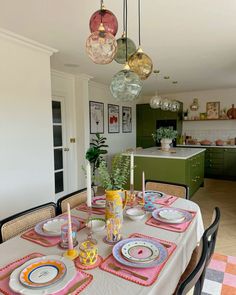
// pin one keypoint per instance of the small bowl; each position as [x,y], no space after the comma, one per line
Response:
[135,213]
[98,224]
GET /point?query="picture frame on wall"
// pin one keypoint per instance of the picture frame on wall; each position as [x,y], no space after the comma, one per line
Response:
[126,119]
[96,117]
[213,110]
[113,111]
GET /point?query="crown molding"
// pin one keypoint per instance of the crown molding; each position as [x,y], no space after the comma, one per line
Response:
[27,42]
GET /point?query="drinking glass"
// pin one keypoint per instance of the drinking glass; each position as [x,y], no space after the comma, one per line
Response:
[113,230]
[64,235]
[88,253]
[149,205]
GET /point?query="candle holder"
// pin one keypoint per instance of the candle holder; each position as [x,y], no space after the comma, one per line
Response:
[88,253]
[132,196]
[90,228]
[71,254]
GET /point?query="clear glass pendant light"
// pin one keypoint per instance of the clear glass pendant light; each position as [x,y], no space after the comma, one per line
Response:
[156,102]
[126,85]
[101,46]
[140,62]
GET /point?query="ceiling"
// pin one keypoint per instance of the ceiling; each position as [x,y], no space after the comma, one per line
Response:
[193,42]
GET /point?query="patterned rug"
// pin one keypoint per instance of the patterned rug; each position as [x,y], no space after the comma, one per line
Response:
[220,276]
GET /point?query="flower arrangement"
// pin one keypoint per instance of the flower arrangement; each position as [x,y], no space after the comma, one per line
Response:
[116,178]
[163,132]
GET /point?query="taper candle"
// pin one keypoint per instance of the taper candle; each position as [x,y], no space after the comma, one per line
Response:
[132,168]
[143,186]
[70,240]
[89,190]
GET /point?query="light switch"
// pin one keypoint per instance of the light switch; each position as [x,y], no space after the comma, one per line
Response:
[72,140]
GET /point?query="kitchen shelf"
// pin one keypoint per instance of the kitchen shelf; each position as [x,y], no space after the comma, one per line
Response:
[209,120]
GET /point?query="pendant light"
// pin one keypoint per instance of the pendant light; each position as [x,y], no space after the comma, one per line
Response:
[101,46]
[126,84]
[140,62]
[109,20]
[156,100]
[120,56]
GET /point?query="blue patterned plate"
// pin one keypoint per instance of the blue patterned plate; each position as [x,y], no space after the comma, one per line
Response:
[116,251]
[156,194]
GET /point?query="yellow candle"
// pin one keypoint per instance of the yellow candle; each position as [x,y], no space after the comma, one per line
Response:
[70,240]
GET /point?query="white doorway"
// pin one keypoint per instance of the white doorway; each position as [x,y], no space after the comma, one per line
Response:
[60,147]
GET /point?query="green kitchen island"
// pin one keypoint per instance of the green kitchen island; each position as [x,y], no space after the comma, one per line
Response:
[180,165]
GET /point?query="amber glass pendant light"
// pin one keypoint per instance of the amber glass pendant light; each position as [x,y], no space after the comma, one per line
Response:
[126,84]
[101,46]
[120,56]
[140,62]
[109,20]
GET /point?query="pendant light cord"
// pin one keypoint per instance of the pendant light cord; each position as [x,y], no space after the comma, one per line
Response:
[126,31]
[101,9]
[139,26]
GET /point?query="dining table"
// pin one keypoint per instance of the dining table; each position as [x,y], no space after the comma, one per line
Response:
[106,283]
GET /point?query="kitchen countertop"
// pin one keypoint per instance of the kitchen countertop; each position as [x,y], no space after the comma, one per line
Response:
[206,146]
[175,153]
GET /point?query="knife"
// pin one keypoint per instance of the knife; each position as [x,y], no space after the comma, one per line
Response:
[77,285]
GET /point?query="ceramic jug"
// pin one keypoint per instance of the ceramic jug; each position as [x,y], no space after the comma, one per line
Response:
[115,204]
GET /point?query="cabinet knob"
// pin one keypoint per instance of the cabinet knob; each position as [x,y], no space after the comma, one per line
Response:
[66,149]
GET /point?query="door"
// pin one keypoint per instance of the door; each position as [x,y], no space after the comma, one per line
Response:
[59,147]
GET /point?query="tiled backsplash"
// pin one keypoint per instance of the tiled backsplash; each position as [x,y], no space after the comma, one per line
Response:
[210,134]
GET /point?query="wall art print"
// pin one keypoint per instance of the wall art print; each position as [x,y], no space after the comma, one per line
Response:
[96,117]
[113,118]
[126,119]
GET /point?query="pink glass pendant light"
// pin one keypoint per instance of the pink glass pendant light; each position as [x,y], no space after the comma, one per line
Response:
[101,46]
[105,16]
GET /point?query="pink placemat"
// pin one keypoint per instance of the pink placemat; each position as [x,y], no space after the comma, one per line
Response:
[167,200]
[171,227]
[151,273]
[4,283]
[97,211]
[44,241]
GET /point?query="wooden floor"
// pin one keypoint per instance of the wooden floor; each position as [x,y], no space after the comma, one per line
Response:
[222,194]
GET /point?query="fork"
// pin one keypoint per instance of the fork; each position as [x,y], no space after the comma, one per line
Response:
[117,268]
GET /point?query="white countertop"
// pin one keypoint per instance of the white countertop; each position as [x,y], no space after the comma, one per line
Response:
[207,146]
[175,153]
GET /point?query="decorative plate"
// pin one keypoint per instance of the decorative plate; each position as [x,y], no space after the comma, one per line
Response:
[18,287]
[99,202]
[42,273]
[116,251]
[54,225]
[140,251]
[164,215]
[39,227]
[157,194]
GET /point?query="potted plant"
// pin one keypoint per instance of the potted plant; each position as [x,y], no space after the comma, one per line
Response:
[95,153]
[113,180]
[165,136]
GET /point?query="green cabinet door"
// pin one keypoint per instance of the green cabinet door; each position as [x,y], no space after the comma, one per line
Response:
[230,163]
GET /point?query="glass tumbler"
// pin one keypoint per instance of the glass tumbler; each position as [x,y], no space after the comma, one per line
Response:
[113,230]
[64,235]
[149,202]
[88,253]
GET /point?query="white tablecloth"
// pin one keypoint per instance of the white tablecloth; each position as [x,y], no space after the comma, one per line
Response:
[105,283]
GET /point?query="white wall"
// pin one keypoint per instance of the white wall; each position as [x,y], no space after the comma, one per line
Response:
[117,141]
[26,152]
[211,130]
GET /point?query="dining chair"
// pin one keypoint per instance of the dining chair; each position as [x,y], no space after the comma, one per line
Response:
[211,235]
[175,189]
[74,199]
[20,222]
[194,282]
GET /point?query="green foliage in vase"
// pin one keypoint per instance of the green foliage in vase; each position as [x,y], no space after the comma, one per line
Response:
[96,151]
[116,178]
[163,132]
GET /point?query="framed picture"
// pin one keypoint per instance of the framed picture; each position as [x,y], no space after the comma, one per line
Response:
[213,110]
[96,117]
[126,119]
[113,118]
